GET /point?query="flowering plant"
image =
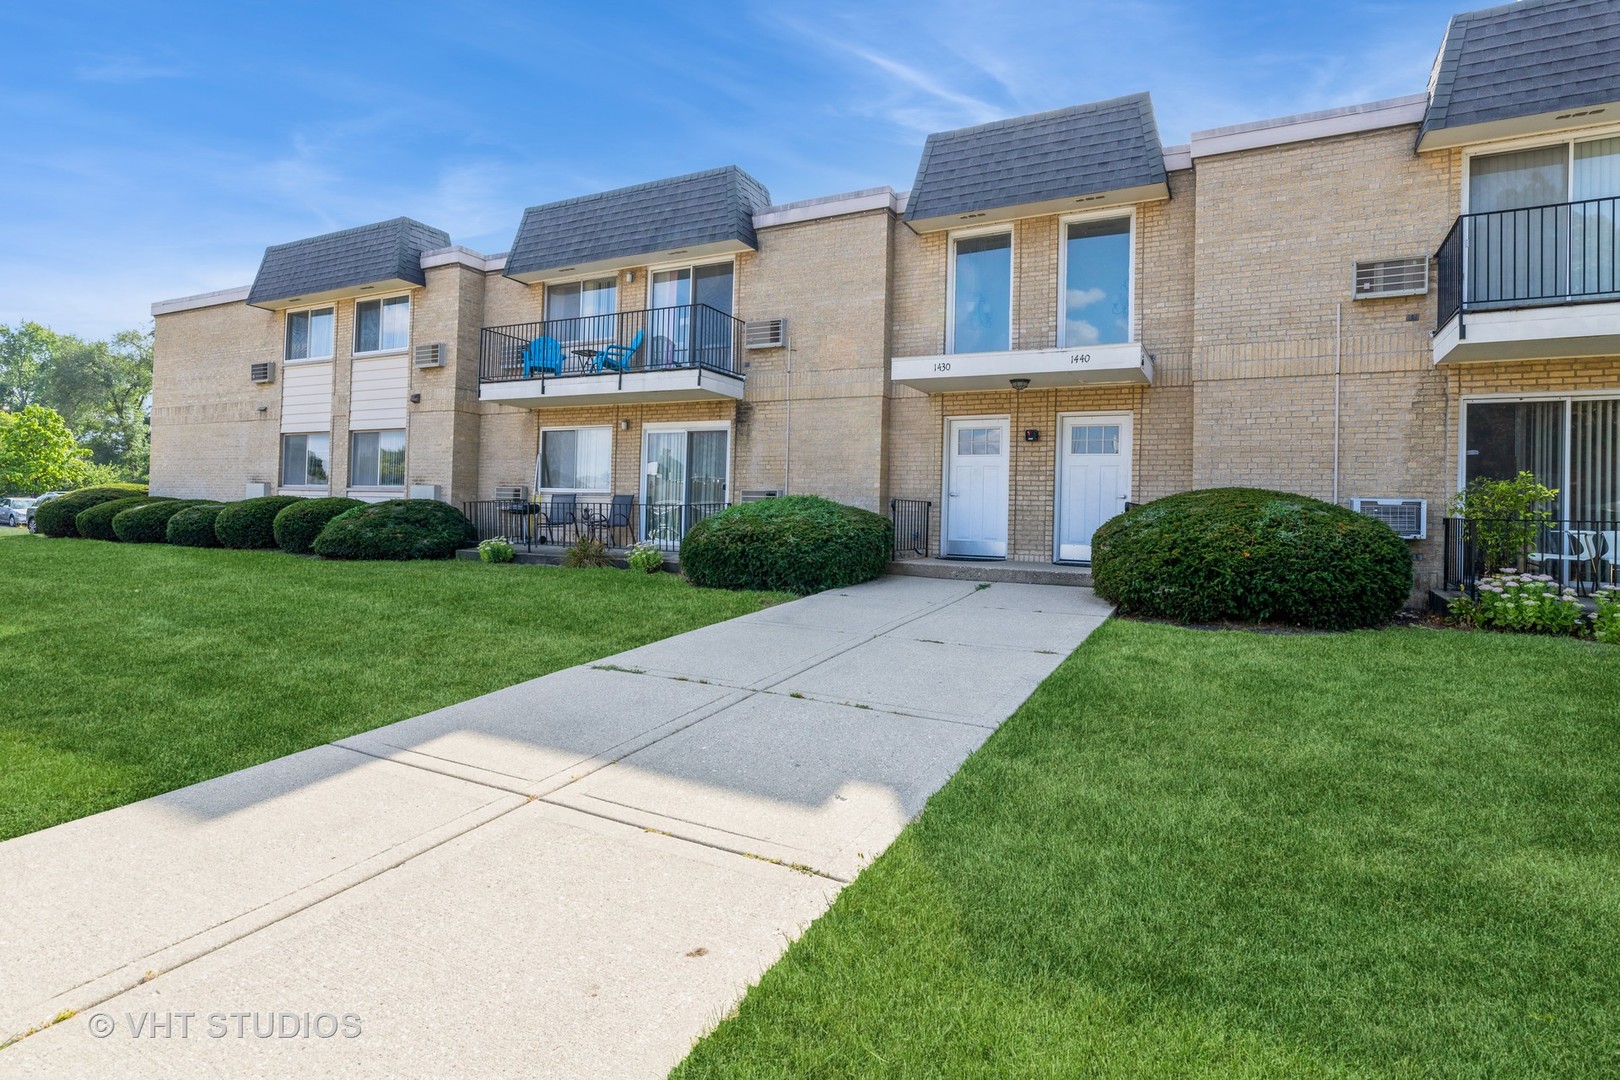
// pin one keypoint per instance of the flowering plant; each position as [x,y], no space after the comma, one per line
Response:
[496,549]
[646,558]
[1605,618]
[1510,600]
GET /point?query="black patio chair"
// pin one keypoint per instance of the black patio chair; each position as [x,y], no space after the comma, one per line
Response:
[561,512]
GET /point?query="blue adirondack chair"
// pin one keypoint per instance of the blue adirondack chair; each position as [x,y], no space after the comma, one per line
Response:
[544,355]
[618,357]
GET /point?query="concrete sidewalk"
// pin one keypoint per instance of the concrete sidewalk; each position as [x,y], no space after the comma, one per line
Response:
[575,876]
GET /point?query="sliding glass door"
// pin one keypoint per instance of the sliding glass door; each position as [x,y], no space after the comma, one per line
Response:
[684,475]
[691,318]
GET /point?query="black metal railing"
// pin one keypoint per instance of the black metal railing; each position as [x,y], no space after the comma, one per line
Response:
[912,521]
[1561,253]
[690,336]
[1579,553]
[556,521]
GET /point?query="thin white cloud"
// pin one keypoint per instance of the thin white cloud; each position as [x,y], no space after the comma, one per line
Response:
[125,69]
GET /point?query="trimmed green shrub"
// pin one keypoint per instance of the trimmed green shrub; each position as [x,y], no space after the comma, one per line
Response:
[299,523]
[397,529]
[799,543]
[149,523]
[96,522]
[194,526]
[1249,555]
[55,517]
[251,523]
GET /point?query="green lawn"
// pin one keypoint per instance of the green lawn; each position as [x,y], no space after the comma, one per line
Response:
[127,671]
[1196,854]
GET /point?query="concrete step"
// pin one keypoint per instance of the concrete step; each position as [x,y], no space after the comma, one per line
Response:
[1024,573]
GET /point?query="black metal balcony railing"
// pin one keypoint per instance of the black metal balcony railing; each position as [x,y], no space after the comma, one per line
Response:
[550,521]
[912,521]
[690,336]
[1581,554]
[1562,253]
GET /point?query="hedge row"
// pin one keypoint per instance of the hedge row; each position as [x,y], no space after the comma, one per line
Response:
[57,517]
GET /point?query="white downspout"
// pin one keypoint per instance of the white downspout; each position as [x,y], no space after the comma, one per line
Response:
[1338,365]
[787,439]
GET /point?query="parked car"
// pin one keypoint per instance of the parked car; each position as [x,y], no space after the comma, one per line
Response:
[29,520]
[14,511]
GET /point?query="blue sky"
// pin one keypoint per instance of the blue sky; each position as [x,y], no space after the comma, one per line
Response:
[153,150]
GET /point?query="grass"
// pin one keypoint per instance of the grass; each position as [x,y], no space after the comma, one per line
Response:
[1202,854]
[127,671]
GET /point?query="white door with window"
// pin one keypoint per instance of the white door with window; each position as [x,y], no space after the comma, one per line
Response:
[1094,478]
[976,458]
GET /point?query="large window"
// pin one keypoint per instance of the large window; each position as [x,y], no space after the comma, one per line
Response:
[1571,444]
[981,294]
[1096,282]
[576,459]
[309,334]
[382,325]
[582,312]
[680,332]
[377,459]
[303,459]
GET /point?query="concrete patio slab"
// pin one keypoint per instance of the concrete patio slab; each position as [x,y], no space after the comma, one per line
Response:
[805,782]
[972,684]
[546,944]
[537,736]
[95,905]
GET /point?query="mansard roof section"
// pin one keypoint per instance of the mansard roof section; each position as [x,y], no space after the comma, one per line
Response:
[697,215]
[1523,69]
[386,255]
[1101,154]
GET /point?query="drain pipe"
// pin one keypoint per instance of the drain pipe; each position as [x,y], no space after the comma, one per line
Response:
[787,439]
[1338,366]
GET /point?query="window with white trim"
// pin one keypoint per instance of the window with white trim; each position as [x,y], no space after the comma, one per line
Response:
[377,459]
[981,294]
[382,325]
[576,459]
[1096,281]
[303,459]
[309,334]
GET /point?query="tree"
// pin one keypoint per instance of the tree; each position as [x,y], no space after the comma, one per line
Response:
[102,389]
[25,355]
[38,452]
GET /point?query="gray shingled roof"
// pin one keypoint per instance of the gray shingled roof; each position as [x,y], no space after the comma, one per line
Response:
[367,255]
[684,211]
[1083,150]
[1524,59]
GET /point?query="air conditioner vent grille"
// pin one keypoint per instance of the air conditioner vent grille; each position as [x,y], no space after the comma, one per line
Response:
[1408,517]
[430,356]
[1392,277]
[263,372]
[512,493]
[765,334]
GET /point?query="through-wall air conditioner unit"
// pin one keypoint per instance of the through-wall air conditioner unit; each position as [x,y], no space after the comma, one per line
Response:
[1408,517]
[765,334]
[430,355]
[423,491]
[1391,277]
[263,372]
[512,493]
[255,489]
[756,496]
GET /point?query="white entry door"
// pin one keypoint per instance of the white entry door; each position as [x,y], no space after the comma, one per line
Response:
[1094,479]
[976,455]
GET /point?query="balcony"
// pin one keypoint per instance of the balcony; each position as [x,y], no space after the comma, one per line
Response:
[687,353]
[1085,365]
[1537,283]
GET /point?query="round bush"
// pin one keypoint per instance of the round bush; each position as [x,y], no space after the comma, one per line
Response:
[55,517]
[1249,555]
[149,523]
[297,525]
[194,526]
[397,529]
[96,523]
[799,543]
[251,523]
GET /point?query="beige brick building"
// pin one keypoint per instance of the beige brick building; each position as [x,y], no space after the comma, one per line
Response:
[1062,316]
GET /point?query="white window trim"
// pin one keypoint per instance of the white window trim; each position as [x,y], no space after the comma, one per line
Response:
[1568,397]
[281,461]
[664,267]
[600,275]
[698,425]
[405,431]
[1534,142]
[285,335]
[539,450]
[1113,212]
[1127,422]
[1005,228]
[410,332]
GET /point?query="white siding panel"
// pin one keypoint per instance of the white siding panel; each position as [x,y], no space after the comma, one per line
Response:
[377,400]
[306,397]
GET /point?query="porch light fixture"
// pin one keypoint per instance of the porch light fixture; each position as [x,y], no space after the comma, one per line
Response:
[416,399]
[1019,385]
